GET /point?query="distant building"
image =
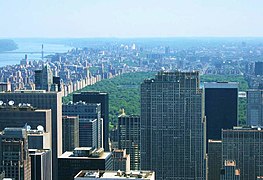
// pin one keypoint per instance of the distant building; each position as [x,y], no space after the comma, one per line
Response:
[90,122]
[129,138]
[56,83]
[259,68]
[70,132]
[115,175]
[221,107]
[172,126]
[70,163]
[255,107]
[24,61]
[43,100]
[98,97]
[14,156]
[243,145]
[44,78]
[229,171]
[41,164]
[121,160]
[214,159]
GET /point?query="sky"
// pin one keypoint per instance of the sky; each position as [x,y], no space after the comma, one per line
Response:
[130,18]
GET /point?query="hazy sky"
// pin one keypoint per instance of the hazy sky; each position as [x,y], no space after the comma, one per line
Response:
[130,18]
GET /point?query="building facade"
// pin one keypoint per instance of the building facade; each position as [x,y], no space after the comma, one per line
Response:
[129,138]
[121,160]
[244,146]
[214,159]
[41,164]
[229,171]
[70,132]
[221,107]
[88,113]
[172,126]
[255,107]
[44,78]
[103,99]
[14,156]
[43,100]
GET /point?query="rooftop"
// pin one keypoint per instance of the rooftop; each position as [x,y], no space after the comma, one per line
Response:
[85,153]
[86,174]
[226,85]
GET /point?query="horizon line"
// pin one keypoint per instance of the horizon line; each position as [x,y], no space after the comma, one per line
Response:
[132,37]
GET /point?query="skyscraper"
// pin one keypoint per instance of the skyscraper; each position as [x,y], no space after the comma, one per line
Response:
[214,159]
[43,100]
[255,107]
[172,126]
[14,156]
[44,78]
[98,97]
[244,146]
[121,160]
[70,133]
[129,138]
[41,164]
[88,133]
[221,107]
[89,113]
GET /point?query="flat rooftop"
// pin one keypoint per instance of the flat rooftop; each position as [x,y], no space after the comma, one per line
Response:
[86,174]
[221,85]
[69,155]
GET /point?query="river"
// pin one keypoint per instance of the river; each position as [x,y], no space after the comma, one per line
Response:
[33,48]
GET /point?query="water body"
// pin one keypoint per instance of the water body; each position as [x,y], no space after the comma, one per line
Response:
[33,48]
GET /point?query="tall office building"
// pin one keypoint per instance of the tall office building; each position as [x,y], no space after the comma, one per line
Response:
[129,138]
[44,78]
[172,126]
[244,146]
[214,159]
[229,171]
[70,163]
[70,133]
[221,107]
[121,160]
[255,107]
[259,68]
[41,164]
[90,122]
[14,156]
[43,100]
[98,97]
[88,133]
